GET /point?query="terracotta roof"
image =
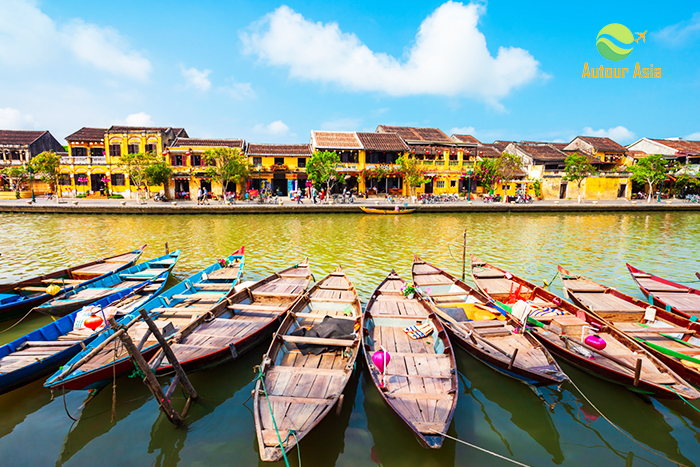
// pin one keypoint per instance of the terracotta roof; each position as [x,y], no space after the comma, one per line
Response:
[683,146]
[465,139]
[415,134]
[382,142]
[542,152]
[486,150]
[19,137]
[637,154]
[501,145]
[125,129]
[223,143]
[335,140]
[278,150]
[88,134]
[603,144]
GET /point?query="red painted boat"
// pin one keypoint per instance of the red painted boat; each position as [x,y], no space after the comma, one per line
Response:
[667,294]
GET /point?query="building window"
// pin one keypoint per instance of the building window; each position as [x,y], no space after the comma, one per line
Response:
[151,148]
[196,160]
[115,150]
[117,179]
[81,179]
[64,179]
[97,152]
[279,160]
[440,184]
[133,149]
[79,152]
[176,159]
[257,161]
[15,155]
[453,183]
[301,162]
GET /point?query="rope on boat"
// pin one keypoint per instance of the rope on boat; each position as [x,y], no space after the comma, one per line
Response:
[480,448]
[624,432]
[20,320]
[65,406]
[114,382]
[684,399]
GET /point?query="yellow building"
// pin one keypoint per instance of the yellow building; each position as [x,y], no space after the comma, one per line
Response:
[280,168]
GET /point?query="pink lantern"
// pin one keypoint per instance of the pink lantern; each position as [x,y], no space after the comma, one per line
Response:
[381,359]
[596,342]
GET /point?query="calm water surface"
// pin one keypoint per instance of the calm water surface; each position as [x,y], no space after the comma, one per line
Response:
[493,411]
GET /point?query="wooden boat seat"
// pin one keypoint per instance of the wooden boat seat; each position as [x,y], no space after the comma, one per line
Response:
[419,395]
[640,275]
[322,316]
[212,286]
[318,341]
[332,287]
[493,323]
[260,294]
[432,279]
[607,302]
[256,307]
[62,281]
[489,274]
[186,310]
[411,317]
[448,294]
[654,286]
[306,371]
[673,330]
[336,300]
[225,273]
[685,302]
[31,288]
[202,296]
[578,285]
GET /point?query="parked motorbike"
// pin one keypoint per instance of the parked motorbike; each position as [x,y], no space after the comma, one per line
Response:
[159,197]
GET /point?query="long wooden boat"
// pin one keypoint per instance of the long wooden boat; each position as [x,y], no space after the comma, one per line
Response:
[487,333]
[308,365]
[42,351]
[667,335]
[20,297]
[236,324]
[105,286]
[560,326]
[93,367]
[420,384]
[667,294]
[369,210]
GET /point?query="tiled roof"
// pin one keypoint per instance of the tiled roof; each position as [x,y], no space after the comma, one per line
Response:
[278,150]
[603,144]
[543,152]
[335,140]
[501,145]
[486,150]
[223,143]
[19,137]
[637,154]
[415,134]
[88,134]
[465,139]
[126,129]
[686,147]
[180,133]
[382,142]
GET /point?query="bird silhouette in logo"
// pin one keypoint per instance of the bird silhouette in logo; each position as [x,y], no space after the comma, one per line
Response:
[642,36]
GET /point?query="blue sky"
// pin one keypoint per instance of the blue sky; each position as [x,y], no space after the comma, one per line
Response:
[272,72]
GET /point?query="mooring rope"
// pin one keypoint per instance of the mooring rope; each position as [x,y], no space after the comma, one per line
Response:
[684,399]
[20,320]
[481,449]
[65,406]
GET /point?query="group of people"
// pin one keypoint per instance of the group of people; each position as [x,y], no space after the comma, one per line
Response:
[202,195]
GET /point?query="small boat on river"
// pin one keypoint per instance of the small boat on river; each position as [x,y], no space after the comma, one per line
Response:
[418,377]
[196,295]
[488,333]
[309,363]
[20,297]
[236,324]
[389,211]
[110,284]
[562,328]
[42,351]
[672,296]
[669,336]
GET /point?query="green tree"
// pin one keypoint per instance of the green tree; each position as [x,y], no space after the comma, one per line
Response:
[321,169]
[16,174]
[227,165]
[47,166]
[651,170]
[412,173]
[158,173]
[486,173]
[577,169]
[136,166]
[686,182]
[508,166]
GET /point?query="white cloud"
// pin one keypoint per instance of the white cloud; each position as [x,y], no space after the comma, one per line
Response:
[465,130]
[680,33]
[13,119]
[618,134]
[449,56]
[197,79]
[30,39]
[342,124]
[238,90]
[276,128]
[139,119]
[693,136]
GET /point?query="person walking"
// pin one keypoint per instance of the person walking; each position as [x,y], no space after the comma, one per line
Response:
[205,195]
[199,196]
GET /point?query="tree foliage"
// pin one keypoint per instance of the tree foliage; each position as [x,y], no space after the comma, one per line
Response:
[136,165]
[651,170]
[412,172]
[227,165]
[321,169]
[486,173]
[16,175]
[577,169]
[508,166]
[158,173]
[47,166]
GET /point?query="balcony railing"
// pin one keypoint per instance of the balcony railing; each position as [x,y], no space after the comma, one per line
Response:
[99,160]
[455,163]
[439,162]
[428,162]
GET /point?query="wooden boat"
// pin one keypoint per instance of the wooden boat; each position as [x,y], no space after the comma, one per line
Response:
[42,351]
[491,337]
[302,386]
[420,384]
[667,335]
[236,324]
[672,296]
[195,295]
[20,297]
[105,286]
[560,326]
[369,210]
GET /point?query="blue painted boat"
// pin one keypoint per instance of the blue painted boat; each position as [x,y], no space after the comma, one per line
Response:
[44,350]
[93,367]
[108,285]
[18,298]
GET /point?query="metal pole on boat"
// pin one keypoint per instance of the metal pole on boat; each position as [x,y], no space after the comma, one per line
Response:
[464,253]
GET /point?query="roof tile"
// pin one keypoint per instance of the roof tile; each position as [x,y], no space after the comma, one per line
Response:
[416,134]
[88,134]
[19,137]
[278,150]
[382,142]
[224,143]
[336,140]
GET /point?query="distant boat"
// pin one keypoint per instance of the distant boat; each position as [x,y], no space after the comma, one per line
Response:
[675,297]
[108,285]
[20,297]
[42,351]
[92,367]
[369,210]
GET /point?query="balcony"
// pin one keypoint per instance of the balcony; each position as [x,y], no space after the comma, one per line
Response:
[99,160]
[428,162]
[455,163]
[440,162]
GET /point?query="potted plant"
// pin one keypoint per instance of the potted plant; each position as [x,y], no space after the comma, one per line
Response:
[409,290]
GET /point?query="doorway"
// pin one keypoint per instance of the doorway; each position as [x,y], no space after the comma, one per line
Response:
[562,190]
[96,183]
[279,184]
[622,192]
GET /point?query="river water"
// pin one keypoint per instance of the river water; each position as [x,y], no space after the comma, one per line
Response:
[493,411]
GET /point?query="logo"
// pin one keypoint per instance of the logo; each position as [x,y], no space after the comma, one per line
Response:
[611,50]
